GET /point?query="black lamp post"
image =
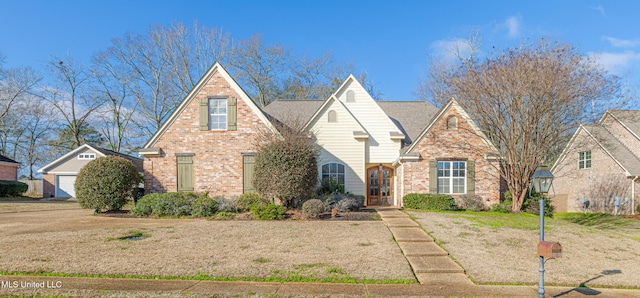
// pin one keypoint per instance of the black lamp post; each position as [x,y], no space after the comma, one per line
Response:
[541,181]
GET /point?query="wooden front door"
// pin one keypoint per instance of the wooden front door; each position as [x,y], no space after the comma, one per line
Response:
[380,186]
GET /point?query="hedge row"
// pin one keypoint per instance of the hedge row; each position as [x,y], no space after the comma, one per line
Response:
[12,188]
[429,201]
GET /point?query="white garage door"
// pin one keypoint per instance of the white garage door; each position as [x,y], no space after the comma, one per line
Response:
[64,186]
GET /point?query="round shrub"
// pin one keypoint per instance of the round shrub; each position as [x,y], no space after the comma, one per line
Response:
[247,199]
[313,208]
[106,183]
[344,202]
[204,206]
[470,202]
[144,206]
[267,212]
[347,204]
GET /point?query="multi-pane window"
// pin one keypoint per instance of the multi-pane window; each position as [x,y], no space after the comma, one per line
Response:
[217,114]
[333,172]
[584,160]
[451,177]
[87,156]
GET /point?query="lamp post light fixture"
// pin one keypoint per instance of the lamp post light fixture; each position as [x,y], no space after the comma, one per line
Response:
[541,181]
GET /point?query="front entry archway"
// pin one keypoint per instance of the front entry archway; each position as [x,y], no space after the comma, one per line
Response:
[379,186]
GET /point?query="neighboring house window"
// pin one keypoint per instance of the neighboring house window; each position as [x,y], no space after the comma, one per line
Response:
[351,96]
[584,160]
[333,172]
[333,117]
[87,156]
[217,114]
[451,177]
[452,123]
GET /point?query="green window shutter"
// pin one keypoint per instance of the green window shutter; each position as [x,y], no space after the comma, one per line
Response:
[204,114]
[232,114]
[471,177]
[433,176]
[248,162]
[185,173]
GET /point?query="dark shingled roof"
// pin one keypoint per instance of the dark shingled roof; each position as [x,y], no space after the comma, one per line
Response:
[6,159]
[136,161]
[411,117]
[629,161]
[630,118]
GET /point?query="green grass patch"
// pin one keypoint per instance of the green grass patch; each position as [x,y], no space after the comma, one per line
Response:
[275,277]
[596,220]
[261,260]
[131,235]
[521,221]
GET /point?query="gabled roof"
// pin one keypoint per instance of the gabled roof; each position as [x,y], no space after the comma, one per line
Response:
[411,117]
[628,118]
[201,83]
[450,104]
[609,144]
[290,111]
[343,107]
[100,151]
[8,161]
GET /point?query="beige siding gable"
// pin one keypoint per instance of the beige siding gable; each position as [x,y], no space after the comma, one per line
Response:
[337,143]
[70,163]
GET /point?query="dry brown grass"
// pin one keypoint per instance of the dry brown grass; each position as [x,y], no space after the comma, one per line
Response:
[78,242]
[491,253]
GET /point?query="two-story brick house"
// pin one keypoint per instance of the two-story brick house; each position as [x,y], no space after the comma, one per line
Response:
[600,162]
[382,150]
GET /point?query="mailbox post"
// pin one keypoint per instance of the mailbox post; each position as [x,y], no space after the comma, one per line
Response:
[541,180]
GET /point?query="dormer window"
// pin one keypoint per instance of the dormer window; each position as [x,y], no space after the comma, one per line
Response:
[452,123]
[351,96]
[87,156]
[333,117]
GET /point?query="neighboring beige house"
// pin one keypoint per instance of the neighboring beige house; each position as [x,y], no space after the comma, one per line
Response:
[600,162]
[382,150]
[8,168]
[59,176]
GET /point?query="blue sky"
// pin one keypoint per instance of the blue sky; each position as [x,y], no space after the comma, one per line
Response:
[391,40]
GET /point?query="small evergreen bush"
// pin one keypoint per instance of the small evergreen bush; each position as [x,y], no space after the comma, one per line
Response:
[247,199]
[429,201]
[470,202]
[12,188]
[227,205]
[348,204]
[174,204]
[267,212]
[532,205]
[313,208]
[144,206]
[502,207]
[344,202]
[204,206]
[106,183]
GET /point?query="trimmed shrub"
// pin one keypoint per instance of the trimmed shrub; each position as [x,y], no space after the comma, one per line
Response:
[247,199]
[12,188]
[429,201]
[313,208]
[173,204]
[204,206]
[144,206]
[287,168]
[470,202]
[106,183]
[226,205]
[344,202]
[267,212]
[502,207]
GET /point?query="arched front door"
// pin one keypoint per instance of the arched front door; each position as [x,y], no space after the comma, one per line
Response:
[380,186]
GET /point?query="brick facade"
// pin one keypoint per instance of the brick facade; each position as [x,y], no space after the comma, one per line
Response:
[217,155]
[463,144]
[8,172]
[48,185]
[572,184]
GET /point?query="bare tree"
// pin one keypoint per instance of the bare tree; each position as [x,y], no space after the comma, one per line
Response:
[259,67]
[71,99]
[526,100]
[37,123]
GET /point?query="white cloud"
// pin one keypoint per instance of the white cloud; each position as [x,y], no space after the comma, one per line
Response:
[622,43]
[599,8]
[513,25]
[616,62]
[450,48]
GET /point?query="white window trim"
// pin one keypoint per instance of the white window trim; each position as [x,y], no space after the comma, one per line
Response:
[226,114]
[464,179]
[582,163]
[328,163]
[86,156]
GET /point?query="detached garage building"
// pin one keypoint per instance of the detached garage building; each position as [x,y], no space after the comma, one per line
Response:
[59,176]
